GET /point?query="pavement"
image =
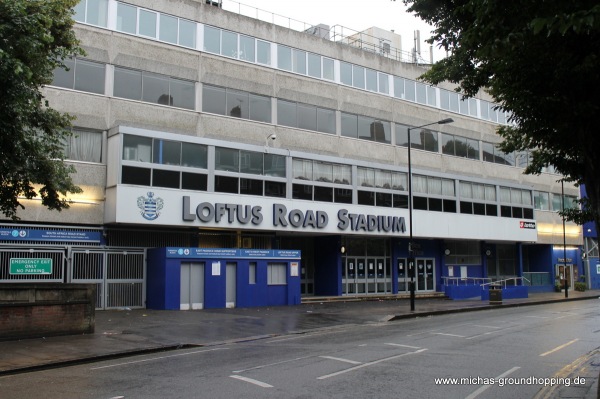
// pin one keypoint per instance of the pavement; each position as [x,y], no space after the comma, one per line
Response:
[127,332]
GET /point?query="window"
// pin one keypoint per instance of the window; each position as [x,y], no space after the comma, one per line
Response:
[372,80]
[328,69]
[409,90]
[247,48]
[194,181]
[135,175]
[346,73]
[421,93]
[147,23]
[251,162]
[305,116]
[137,148]
[227,159]
[166,152]
[165,178]
[284,58]
[349,125]
[431,96]
[463,253]
[299,61]
[212,40]
[93,12]
[226,184]
[154,88]
[168,29]
[276,274]
[286,113]
[384,83]
[541,201]
[398,87]
[84,146]
[82,75]
[314,65]
[229,44]
[126,18]
[187,33]
[263,52]
[358,76]
[460,146]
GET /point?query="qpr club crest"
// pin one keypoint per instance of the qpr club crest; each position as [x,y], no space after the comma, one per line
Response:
[150,207]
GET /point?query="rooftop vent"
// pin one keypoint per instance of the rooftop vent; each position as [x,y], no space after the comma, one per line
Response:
[320,30]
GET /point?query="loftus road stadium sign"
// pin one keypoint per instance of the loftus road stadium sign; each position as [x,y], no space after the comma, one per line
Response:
[281,216]
[182,208]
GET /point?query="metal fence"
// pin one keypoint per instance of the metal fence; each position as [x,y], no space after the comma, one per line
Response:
[119,276]
[57,257]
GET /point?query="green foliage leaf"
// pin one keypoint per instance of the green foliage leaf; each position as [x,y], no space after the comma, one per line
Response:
[34,34]
[540,60]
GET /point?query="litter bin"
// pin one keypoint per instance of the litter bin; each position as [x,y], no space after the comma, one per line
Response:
[495,295]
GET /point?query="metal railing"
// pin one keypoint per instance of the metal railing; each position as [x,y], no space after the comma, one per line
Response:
[336,33]
[465,280]
[538,278]
[511,281]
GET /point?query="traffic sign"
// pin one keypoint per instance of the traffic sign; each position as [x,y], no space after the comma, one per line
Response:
[30,266]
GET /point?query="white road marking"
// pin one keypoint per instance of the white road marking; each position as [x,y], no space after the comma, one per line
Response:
[481,335]
[485,387]
[157,358]
[560,347]
[403,346]
[252,381]
[339,359]
[537,317]
[450,335]
[369,364]
[272,364]
[482,326]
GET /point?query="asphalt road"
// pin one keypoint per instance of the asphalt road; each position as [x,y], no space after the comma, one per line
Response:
[502,353]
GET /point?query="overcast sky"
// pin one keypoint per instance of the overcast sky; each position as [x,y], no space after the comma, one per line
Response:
[352,14]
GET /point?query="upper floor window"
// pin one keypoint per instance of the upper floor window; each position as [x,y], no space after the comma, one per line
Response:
[236,103]
[164,152]
[366,128]
[81,75]
[167,28]
[305,116]
[154,88]
[93,12]
[422,139]
[84,145]
[460,146]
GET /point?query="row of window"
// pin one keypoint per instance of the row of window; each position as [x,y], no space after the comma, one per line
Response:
[376,186]
[544,201]
[170,29]
[161,89]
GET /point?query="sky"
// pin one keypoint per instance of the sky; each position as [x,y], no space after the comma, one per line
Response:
[352,14]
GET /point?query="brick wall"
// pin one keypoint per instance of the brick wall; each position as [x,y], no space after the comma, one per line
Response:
[42,310]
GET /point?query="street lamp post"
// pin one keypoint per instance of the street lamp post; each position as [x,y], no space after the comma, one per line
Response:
[411,259]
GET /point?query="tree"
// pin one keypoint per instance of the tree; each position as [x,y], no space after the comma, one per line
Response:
[35,35]
[538,59]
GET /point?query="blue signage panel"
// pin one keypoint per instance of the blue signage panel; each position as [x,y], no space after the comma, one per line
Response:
[232,253]
[49,235]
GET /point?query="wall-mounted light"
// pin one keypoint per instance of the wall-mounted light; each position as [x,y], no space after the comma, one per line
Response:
[343,249]
[488,252]
[447,252]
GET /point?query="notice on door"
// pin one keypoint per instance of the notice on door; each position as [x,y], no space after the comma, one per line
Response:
[216,268]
